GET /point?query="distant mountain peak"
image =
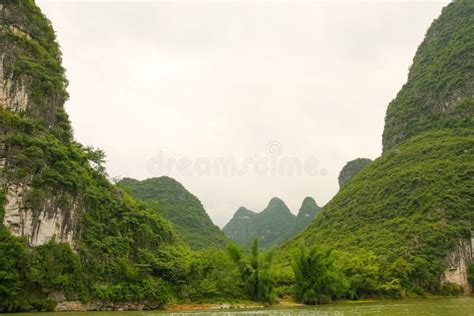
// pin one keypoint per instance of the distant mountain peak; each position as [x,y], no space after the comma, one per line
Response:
[273,225]
[276,200]
[309,208]
[244,213]
[164,179]
[277,204]
[308,201]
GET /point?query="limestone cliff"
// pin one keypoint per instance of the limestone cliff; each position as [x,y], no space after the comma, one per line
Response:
[32,79]
[458,263]
[67,234]
[32,84]
[40,224]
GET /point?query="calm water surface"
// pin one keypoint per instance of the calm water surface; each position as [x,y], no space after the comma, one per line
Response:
[432,307]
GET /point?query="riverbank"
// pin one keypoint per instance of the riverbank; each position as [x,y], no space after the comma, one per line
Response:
[283,303]
[290,304]
[433,306]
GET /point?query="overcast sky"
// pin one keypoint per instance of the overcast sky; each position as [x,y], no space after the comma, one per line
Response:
[224,97]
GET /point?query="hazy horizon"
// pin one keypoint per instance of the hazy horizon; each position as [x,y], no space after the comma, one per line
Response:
[196,87]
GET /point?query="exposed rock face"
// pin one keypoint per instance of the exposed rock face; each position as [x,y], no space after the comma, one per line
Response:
[458,263]
[351,169]
[13,96]
[69,306]
[45,222]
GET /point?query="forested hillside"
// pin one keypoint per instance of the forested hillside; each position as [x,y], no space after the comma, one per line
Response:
[405,221]
[170,199]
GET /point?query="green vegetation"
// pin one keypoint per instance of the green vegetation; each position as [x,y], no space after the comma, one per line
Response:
[393,225]
[317,279]
[255,271]
[410,208]
[170,199]
[273,225]
[396,223]
[215,277]
[440,81]
[31,58]
[124,251]
[351,169]
[470,276]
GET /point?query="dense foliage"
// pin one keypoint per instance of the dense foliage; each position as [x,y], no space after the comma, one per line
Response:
[256,275]
[273,225]
[170,199]
[214,277]
[124,251]
[317,279]
[441,78]
[410,208]
[32,59]
[397,222]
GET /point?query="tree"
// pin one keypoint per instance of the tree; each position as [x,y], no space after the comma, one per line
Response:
[317,278]
[255,271]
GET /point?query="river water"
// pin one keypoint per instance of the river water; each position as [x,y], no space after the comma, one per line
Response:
[433,307]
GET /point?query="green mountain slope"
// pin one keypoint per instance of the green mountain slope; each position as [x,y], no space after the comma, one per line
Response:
[169,198]
[440,79]
[351,169]
[410,213]
[273,225]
